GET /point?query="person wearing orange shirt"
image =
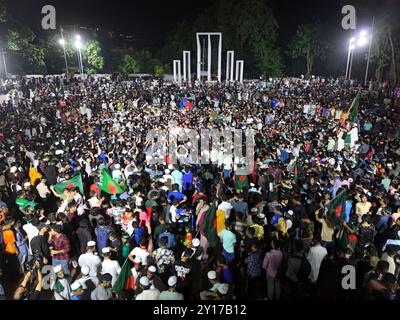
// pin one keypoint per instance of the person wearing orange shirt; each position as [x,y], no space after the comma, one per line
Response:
[11,262]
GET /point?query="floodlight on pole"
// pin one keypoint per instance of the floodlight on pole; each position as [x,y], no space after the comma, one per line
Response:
[78,45]
[62,43]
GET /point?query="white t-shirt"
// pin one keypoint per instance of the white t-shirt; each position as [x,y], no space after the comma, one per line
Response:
[31,232]
[140,253]
[226,207]
[112,267]
[90,260]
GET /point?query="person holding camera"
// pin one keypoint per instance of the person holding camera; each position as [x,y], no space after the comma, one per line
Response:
[33,279]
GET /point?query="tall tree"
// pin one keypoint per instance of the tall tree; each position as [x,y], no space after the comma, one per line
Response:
[307,43]
[128,65]
[21,43]
[91,54]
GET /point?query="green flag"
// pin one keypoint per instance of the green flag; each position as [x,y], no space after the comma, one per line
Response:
[337,208]
[75,182]
[24,203]
[125,280]
[209,225]
[354,107]
[108,184]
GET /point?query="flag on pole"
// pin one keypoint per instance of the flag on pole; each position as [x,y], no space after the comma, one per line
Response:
[108,184]
[75,182]
[209,225]
[354,107]
[337,208]
[125,280]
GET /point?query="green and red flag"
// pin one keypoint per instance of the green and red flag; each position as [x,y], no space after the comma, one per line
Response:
[354,107]
[108,184]
[125,280]
[242,182]
[75,182]
[209,225]
[337,208]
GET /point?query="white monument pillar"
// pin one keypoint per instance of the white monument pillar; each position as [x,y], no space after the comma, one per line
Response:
[186,66]
[239,70]
[209,56]
[230,60]
[177,70]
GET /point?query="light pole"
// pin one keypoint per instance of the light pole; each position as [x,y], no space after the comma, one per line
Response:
[369,49]
[360,41]
[349,55]
[62,43]
[78,45]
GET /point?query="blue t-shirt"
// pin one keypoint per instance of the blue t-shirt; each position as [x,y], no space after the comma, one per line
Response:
[227,276]
[177,195]
[138,234]
[171,239]
[187,181]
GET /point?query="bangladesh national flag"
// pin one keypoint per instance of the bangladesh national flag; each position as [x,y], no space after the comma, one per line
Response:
[108,184]
[75,182]
[354,107]
[337,208]
[125,280]
[242,182]
[209,225]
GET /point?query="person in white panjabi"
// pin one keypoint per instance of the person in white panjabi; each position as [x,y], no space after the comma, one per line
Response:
[148,293]
[90,259]
[315,257]
[110,266]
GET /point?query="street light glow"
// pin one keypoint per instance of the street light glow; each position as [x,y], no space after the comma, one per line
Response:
[362,41]
[363,33]
[78,44]
[62,42]
[77,37]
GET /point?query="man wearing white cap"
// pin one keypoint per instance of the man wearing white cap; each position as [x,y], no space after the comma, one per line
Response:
[147,293]
[155,280]
[171,293]
[90,260]
[210,294]
[77,291]
[88,283]
[61,285]
[110,266]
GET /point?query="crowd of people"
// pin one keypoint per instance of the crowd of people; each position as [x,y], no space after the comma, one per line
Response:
[84,208]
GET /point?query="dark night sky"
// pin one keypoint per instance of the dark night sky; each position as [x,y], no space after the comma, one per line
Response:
[151,21]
